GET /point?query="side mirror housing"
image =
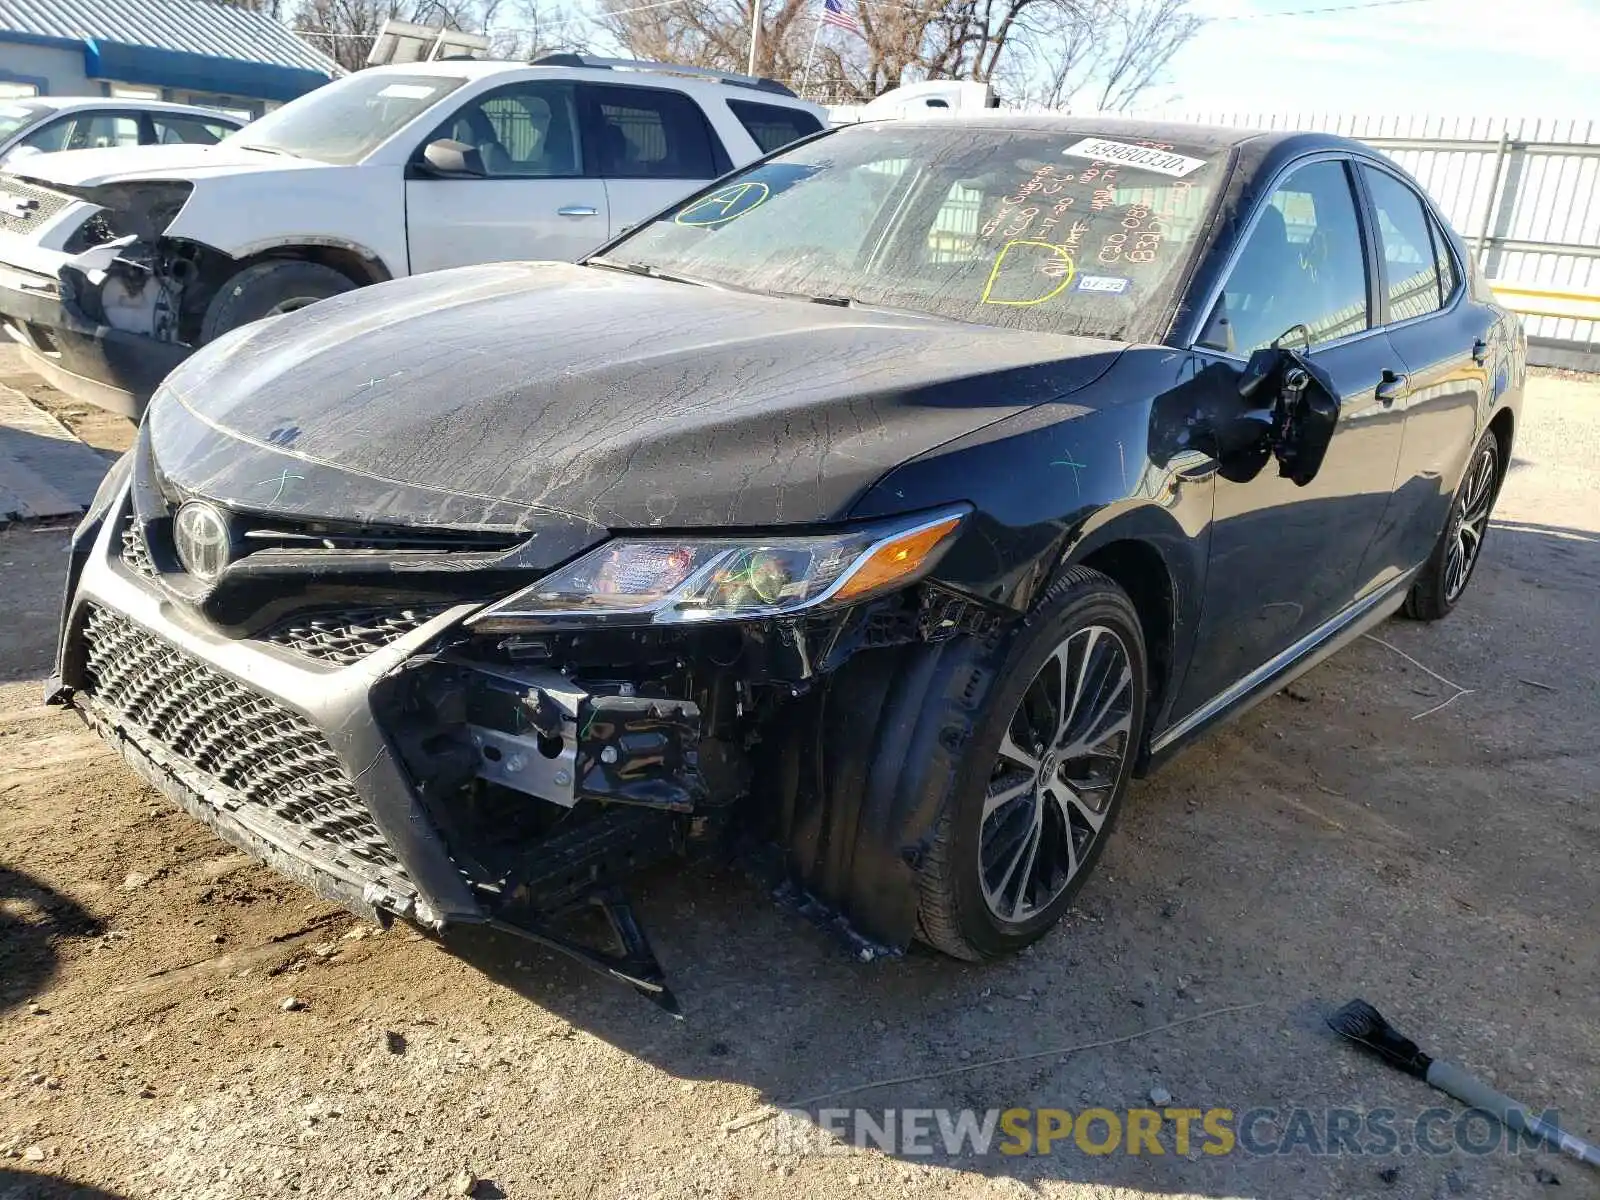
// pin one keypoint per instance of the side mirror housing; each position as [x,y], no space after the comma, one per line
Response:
[449,157]
[1303,408]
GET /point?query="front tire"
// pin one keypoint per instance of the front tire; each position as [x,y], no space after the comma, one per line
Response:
[1049,760]
[269,289]
[1455,555]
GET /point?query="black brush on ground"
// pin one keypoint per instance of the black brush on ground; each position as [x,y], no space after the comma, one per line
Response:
[1365,1026]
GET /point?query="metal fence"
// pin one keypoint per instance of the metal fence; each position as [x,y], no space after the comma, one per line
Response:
[1523,193]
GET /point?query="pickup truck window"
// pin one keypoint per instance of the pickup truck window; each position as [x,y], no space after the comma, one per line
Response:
[348,119]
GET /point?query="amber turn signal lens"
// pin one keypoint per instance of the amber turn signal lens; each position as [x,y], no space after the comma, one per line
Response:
[895,560]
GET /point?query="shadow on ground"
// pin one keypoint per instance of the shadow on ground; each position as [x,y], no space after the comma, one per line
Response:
[22,1185]
[33,920]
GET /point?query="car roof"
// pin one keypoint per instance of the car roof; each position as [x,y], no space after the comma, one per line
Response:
[657,73]
[1215,138]
[71,103]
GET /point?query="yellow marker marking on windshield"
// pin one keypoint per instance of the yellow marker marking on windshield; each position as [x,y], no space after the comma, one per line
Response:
[724,204]
[1062,263]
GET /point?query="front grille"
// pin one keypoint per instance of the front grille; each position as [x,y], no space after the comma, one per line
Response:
[135,550]
[348,635]
[260,752]
[23,208]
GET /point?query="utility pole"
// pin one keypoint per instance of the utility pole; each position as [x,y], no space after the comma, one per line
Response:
[755,35]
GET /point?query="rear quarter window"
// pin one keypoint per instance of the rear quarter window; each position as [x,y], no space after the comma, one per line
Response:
[771,126]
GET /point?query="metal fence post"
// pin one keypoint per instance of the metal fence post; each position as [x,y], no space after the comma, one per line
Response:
[1490,207]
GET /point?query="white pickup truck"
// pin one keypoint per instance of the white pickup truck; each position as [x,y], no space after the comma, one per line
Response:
[115,264]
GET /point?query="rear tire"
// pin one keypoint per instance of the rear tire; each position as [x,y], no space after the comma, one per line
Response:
[269,289]
[1455,556]
[1051,752]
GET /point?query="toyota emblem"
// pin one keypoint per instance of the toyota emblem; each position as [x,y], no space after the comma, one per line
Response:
[201,535]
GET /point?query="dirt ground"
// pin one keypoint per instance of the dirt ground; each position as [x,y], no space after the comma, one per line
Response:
[1335,842]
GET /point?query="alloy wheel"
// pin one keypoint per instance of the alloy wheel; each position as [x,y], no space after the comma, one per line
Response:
[1052,784]
[1471,521]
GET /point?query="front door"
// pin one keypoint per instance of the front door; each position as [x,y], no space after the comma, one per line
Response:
[533,200]
[1285,559]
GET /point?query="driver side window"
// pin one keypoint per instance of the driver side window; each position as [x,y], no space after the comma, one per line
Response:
[1302,266]
[525,131]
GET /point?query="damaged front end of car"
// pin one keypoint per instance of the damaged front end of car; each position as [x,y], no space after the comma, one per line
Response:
[124,273]
[102,302]
[454,759]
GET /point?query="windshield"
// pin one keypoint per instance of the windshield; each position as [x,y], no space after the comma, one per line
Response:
[1062,231]
[14,118]
[346,120]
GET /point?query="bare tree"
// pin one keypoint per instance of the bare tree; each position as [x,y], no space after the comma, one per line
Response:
[527,29]
[1040,51]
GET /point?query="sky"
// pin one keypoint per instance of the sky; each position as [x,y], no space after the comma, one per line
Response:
[1534,58]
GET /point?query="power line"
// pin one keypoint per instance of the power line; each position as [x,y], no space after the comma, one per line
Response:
[1312,12]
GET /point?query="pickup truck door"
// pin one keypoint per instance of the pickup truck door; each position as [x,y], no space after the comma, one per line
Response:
[1286,559]
[533,200]
[652,146]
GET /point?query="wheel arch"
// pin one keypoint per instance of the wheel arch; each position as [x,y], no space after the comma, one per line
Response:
[213,268]
[1161,567]
[1503,424]
[352,260]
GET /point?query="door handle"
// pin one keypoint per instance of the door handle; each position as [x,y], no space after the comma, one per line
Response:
[1480,351]
[1393,387]
[578,210]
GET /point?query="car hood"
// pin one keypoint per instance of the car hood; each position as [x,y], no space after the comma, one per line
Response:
[489,396]
[67,169]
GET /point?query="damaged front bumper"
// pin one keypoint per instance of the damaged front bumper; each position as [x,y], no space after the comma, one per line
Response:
[345,772]
[114,369]
[87,290]
[414,764]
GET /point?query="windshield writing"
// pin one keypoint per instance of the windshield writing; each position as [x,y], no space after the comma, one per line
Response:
[1021,229]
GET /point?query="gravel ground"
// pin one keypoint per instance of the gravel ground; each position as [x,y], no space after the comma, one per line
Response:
[178,1022]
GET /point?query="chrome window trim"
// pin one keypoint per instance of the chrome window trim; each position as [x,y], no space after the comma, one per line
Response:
[1354,157]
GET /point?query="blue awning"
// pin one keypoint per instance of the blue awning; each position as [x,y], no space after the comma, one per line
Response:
[197,72]
[189,44]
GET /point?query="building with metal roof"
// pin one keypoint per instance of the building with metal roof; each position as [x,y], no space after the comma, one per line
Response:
[191,51]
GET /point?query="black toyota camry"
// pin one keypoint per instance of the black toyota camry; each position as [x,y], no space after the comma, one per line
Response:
[870,517]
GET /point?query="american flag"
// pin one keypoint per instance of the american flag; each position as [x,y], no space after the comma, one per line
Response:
[833,13]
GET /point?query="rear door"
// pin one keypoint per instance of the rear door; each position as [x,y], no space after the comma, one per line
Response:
[1286,559]
[1442,337]
[537,198]
[651,146]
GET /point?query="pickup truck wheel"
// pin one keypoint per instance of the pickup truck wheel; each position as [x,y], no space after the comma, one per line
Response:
[1449,568]
[269,289]
[1047,764]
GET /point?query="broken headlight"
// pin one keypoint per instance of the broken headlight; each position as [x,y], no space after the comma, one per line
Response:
[663,581]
